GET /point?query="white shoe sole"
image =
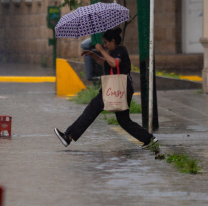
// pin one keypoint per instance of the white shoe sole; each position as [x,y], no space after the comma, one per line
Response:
[150,144]
[61,139]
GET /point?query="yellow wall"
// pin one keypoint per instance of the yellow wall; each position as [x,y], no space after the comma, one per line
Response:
[67,81]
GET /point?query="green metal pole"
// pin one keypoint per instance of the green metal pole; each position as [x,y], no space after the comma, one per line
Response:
[54,50]
[155,110]
[96,38]
[143,11]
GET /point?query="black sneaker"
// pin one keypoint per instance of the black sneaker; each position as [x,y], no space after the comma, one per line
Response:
[64,139]
[152,142]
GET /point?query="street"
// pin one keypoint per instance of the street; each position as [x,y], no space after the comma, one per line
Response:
[106,166]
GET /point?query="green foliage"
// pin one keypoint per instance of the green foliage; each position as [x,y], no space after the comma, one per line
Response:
[73,4]
[176,158]
[155,147]
[200,91]
[106,112]
[111,119]
[165,74]
[86,95]
[159,73]
[97,82]
[44,62]
[160,156]
[184,163]
[135,69]
[82,74]
[135,108]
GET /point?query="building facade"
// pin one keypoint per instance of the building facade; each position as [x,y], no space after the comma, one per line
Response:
[24,34]
[178,28]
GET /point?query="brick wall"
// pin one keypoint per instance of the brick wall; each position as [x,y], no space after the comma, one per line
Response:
[24,34]
[168,26]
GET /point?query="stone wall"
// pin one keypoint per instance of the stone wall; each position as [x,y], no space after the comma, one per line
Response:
[24,34]
[168,35]
[167,29]
[168,38]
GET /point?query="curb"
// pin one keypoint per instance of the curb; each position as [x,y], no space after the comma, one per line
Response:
[27,79]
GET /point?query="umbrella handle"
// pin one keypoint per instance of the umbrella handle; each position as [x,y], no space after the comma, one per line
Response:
[93,28]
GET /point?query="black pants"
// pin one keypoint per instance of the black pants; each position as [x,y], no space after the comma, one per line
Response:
[95,107]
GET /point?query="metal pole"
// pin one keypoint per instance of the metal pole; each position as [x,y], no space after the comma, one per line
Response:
[143,11]
[93,28]
[1,196]
[54,50]
[151,65]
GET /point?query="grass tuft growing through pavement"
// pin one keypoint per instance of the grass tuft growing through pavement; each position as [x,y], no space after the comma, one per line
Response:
[184,163]
[155,148]
[200,91]
[111,119]
[135,108]
[86,95]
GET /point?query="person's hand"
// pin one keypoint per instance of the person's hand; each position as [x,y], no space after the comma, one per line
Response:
[98,47]
[86,53]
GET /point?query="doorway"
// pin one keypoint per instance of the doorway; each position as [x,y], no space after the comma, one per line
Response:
[192,26]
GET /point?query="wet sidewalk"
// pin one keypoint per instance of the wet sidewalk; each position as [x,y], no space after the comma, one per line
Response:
[105,167]
[18,69]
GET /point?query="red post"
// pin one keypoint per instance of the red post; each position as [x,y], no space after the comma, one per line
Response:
[1,196]
[5,124]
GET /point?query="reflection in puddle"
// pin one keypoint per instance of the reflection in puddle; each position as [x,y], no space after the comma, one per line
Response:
[5,138]
[198,128]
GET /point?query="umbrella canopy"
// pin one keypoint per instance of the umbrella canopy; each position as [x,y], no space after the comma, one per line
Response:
[91,19]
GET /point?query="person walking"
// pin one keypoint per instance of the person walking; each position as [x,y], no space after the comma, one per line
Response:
[111,40]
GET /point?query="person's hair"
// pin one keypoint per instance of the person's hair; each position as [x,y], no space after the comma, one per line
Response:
[113,34]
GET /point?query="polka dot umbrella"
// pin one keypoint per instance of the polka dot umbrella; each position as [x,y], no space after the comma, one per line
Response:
[92,19]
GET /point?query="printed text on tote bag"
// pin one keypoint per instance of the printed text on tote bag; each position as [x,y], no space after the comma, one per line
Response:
[115,93]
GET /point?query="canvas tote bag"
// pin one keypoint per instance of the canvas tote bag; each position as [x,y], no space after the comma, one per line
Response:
[114,91]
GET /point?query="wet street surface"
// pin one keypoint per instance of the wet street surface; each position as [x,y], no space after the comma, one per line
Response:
[105,167]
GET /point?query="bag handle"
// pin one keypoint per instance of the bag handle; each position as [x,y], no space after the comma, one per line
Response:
[118,70]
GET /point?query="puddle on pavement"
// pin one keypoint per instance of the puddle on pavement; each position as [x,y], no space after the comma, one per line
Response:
[76,152]
[111,156]
[198,128]
[5,138]
[3,97]
[31,135]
